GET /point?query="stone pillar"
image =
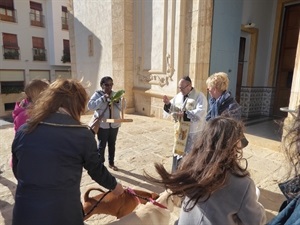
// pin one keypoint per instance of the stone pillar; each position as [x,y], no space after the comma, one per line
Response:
[295,91]
[122,48]
[200,13]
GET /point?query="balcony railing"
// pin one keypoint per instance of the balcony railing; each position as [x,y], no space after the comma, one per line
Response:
[64,23]
[37,20]
[10,87]
[39,54]
[8,15]
[66,57]
[11,53]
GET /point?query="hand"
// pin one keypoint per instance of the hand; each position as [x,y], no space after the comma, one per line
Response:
[180,114]
[166,100]
[106,96]
[191,115]
[118,190]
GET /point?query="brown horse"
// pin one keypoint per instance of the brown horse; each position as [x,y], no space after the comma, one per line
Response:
[119,206]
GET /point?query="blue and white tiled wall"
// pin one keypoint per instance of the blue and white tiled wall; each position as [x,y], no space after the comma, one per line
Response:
[257,101]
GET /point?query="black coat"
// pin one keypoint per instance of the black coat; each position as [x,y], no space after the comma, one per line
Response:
[48,165]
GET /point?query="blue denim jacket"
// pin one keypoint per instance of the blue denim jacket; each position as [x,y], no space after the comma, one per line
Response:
[290,215]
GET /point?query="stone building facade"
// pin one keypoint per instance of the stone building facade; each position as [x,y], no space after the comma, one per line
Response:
[147,46]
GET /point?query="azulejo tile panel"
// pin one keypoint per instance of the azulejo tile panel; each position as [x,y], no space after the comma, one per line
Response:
[257,101]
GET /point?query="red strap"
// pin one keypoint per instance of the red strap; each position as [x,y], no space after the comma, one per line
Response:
[157,203]
[134,194]
[149,199]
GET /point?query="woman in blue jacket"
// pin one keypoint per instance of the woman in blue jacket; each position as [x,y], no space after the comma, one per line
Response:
[221,101]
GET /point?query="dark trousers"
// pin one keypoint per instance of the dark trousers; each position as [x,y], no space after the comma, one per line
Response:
[107,136]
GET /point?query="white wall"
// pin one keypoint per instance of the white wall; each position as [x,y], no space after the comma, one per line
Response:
[55,32]
[225,39]
[99,26]
[262,13]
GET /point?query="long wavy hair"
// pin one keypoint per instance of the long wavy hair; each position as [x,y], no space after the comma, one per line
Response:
[291,143]
[68,94]
[206,168]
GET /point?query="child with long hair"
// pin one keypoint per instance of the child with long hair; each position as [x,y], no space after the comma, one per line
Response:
[32,91]
[216,187]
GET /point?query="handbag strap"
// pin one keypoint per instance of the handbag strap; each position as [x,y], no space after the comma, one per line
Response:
[101,115]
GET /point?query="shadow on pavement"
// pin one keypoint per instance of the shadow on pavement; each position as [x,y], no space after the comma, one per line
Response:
[141,181]
[5,207]
[7,213]
[269,129]
[6,121]
[271,201]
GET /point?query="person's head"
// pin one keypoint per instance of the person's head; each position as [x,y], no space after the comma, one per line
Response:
[34,88]
[205,169]
[65,93]
[291,141]
[106,84]
[219,146]
[185,85]
[217,83]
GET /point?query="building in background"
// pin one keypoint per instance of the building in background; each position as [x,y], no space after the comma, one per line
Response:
[34,36]
[147,46]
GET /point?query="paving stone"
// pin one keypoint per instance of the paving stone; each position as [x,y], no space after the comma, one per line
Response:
[141,143]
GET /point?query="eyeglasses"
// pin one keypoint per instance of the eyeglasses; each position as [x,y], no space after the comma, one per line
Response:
[182,88]
[108,85]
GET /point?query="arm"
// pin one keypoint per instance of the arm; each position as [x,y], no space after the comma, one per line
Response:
[97,101]
[251,211]
[14,148]
[200,109]
[97,171]
[235,111]
[167,104]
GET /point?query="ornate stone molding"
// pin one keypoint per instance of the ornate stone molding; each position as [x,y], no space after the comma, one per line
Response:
[164,62]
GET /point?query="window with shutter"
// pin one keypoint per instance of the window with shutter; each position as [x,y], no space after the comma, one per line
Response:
[10,46]
[66,52]
[7,11]
[38,50]
[64,18]
[36,14]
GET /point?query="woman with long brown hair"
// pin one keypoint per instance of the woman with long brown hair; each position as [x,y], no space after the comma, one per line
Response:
[49,153]
[216,188]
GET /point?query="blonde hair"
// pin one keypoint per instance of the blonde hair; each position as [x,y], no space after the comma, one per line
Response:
[34,88]
[218,80]
[66,93]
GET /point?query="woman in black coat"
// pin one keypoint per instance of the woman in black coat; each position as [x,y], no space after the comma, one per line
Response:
[49,154]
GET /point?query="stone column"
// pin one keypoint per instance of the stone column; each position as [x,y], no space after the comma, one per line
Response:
[200,13]
[122,48]
[295,92]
